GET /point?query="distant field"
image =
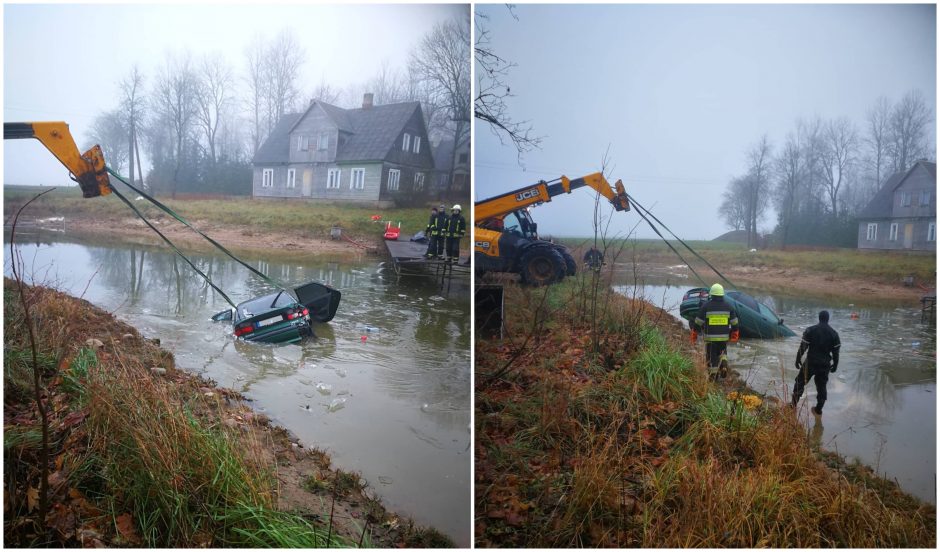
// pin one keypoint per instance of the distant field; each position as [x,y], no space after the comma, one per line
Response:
[310,218]
[881,266]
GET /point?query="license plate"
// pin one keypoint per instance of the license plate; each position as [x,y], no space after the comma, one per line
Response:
[269,322]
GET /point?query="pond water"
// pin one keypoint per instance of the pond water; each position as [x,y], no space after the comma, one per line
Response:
[394,362]
[881,406]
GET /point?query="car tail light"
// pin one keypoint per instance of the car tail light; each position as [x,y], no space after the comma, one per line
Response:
[306,312]
[242,330]
[297,314]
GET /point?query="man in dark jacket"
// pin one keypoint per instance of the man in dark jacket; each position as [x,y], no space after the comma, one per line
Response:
[822,343]
[433,232]
[456,228]
[717,320]
[442,221]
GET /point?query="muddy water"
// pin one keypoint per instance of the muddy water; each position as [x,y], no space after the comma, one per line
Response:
[881,405]
[394,363]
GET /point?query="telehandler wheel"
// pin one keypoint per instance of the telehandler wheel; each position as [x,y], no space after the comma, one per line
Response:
[571,266]
[541,266]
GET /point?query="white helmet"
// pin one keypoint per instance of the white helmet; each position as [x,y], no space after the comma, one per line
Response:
[455,208]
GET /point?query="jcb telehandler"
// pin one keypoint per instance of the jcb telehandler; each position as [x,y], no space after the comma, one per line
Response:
[505,238]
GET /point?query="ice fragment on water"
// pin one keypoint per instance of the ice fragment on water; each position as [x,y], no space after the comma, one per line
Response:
[341,372]
[324,388]
[337,403]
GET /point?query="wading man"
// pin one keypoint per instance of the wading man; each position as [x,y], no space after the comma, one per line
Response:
[718,323]
[822,343]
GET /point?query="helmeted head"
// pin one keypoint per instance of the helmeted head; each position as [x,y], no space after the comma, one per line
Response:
[824,316]
[717,290]
[455,208]
[442,208]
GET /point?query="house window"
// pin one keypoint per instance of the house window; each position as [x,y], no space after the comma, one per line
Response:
[267,178]
[419,182]
[925,197]
[905,199]
[332,179]
[357,179]
[303,142]
[442,182]
[417,144]
[872,234]
[291,178]
[323,141]
[463,158]
[394,175]
[406,142]
[932,232]
[893,232]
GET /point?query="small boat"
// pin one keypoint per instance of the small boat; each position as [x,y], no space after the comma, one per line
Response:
[754,319]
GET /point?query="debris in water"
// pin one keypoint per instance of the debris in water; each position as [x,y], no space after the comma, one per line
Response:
[324,388]
[363,339]
[385,480]
[341,372]
[343,392]
[337,404]
[436,298]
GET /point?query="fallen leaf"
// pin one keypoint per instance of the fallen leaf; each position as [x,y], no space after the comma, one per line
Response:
[127,529]
[32,498]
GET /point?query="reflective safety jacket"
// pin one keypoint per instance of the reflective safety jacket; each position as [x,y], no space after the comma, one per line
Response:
[442,219]
[434,227]
[716,318]
[456,226]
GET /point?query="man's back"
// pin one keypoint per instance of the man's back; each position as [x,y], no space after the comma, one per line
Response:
[821,340]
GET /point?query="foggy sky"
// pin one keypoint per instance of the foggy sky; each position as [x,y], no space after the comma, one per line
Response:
[679,93]
[64,62]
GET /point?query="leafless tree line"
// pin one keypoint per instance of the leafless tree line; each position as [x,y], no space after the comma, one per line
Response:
[202,118]
[826,171]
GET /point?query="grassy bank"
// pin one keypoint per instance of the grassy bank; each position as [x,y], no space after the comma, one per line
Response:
[878,266]
[595,426]
[140,454]
[305,218]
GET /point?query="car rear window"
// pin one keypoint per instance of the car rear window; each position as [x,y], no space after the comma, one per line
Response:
[264,304]
[745,300]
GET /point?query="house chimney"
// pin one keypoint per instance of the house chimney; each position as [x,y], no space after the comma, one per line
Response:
[367,100]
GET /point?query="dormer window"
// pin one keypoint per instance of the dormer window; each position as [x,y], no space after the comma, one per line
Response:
[303,143]
[906,199]
[323,141]
[406,142]
[925,198]
[417,144]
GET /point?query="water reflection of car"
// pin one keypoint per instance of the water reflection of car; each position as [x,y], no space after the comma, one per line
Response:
[280,317]
[755,319]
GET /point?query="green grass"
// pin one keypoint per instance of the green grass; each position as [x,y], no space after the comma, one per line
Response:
[306,218]
[882,266]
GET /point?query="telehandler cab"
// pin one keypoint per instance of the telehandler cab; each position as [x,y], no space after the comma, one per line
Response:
[505,238]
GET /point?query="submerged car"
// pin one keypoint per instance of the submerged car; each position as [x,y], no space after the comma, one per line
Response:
[280,317]
[754,319]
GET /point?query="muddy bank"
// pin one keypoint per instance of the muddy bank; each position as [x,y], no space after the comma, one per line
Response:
[242,238]
[119,364]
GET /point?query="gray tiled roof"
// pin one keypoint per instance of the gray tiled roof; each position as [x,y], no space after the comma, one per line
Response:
[881,206]
[372,132]
[276,149]
[375,131]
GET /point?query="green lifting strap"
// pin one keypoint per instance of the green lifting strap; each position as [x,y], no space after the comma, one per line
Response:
[168,242]
[173,214]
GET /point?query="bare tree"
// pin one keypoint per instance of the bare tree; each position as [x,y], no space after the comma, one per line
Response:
[442,62]
[214,95]
[257,91]
[132,107]
[387,86]
[877,124]
[790,171]
[174,99]
[110,132]
[282,62]
[840,147]
[733,210]
[908,130]
[326,93]
[489,105]
[757,185]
